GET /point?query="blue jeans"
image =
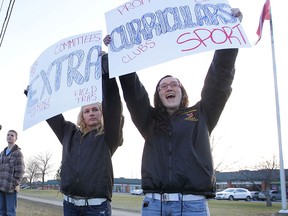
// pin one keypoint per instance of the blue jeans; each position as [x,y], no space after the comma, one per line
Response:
[153,207]
[89,210]
[8,204]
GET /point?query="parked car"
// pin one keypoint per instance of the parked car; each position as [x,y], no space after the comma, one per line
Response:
[255,195]
[25,186]
[274,195]
[234,194]
[137,192]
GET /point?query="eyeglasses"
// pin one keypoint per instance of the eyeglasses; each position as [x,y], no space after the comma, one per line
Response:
[172,84]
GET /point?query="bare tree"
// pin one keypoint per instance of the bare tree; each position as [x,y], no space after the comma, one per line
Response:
[43,160]
[57,176]
[268,168]
[267,171]
[32,170]
[220,165]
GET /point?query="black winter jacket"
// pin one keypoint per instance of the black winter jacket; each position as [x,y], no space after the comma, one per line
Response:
[86,168]
[179,160]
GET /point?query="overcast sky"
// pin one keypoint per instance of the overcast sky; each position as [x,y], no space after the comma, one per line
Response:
[247,131]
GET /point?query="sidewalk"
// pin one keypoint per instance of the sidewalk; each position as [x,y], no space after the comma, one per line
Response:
[115,212]
[52,202]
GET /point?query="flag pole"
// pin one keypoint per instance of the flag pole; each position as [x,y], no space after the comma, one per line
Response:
[282,170]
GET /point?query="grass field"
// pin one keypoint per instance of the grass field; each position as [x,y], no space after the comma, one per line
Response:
[133,202]
[30,208]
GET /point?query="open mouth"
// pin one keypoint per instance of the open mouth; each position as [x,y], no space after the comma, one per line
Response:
[170,95]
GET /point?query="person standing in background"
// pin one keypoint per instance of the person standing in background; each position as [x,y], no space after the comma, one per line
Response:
[12,168]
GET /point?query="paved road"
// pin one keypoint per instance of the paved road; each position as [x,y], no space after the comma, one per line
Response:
[115,212]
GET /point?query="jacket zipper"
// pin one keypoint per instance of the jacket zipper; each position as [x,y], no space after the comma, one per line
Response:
[170,152]
[79,153]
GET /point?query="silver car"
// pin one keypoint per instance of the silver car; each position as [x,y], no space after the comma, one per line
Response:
[274,195]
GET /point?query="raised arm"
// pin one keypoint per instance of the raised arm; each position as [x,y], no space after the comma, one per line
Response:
[137,101]
[112,108]
[136,98]
[217,86]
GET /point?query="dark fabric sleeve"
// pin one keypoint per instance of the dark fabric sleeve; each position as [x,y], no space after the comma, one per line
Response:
[112,108]
[137,101]
[217,86]
[57,124]
[19,168]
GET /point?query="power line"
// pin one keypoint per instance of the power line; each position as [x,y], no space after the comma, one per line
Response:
[1,5]
[6,20]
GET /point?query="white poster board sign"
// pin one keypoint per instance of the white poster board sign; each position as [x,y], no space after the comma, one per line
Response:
[150,32]
[65,76]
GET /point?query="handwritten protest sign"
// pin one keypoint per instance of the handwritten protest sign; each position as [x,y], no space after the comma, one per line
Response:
[65,76]
[150,32]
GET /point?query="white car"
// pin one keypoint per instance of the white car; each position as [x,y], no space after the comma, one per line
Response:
[137,192]
[234,194]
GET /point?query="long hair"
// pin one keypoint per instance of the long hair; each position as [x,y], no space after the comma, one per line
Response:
[158,103]
[83,126]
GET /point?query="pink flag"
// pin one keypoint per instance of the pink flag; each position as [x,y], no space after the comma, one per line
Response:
[265,15]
